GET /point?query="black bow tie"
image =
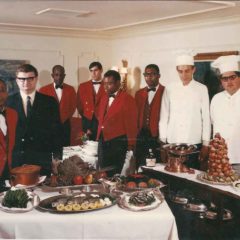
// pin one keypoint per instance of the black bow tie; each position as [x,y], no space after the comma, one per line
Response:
[59,86]
[151,89]
[111,96]
[95,83]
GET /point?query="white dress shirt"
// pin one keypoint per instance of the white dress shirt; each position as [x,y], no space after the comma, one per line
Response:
[58,92]
[225,117]
[184,114]
[151,95]
[111,99]
[96,86]
[3,125]
[24,99]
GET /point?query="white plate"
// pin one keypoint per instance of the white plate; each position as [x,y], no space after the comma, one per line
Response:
[124,202]
[31,204]
[41,180]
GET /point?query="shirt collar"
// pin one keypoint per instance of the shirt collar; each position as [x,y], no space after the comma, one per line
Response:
[237,93]
[24,95]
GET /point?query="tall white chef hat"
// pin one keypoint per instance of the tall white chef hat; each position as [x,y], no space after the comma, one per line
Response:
[185,57]
[227,63]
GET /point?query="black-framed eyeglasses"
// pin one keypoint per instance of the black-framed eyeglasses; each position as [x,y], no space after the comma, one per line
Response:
[229,78]
[26,79]
[150,74]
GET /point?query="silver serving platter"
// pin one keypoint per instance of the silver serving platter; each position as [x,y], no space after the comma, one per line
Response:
[180,200]
[31,204]
[46,204]
[123,202]
[195,207]
[201,178]
[122,187]
[212,215]
[83,187]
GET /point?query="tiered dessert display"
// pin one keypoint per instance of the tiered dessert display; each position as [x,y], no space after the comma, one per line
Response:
[177,155]
[219,169]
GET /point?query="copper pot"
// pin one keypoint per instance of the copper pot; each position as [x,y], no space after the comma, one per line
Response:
[25,175]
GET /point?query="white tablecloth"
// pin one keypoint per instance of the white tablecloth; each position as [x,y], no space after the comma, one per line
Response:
[109,223]
[193,178]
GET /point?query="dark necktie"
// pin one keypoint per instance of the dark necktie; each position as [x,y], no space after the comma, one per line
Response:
[59,86]
[95,83]
[151,89]
[29,106]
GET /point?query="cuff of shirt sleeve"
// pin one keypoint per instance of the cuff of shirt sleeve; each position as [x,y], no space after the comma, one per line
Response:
[164,140]
[205,143]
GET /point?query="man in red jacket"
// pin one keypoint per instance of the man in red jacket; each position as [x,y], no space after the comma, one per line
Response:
[117,129]
[148,102]
[8,123]
[66,98]
[88,99]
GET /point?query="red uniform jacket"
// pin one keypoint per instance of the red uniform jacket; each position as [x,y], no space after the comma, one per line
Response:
[67,105]
[6,151]
[85,99]
[120,118]
[155,106]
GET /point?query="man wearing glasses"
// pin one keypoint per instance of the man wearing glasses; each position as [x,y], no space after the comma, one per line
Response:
[225,106]
[184,116]
[148,100]
[38,133]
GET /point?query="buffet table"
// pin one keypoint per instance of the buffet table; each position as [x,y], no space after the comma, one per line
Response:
[227,189]
[218,194]
[109,223]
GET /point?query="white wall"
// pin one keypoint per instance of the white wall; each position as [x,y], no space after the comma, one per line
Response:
[159,48]
[44,52]
[76,53]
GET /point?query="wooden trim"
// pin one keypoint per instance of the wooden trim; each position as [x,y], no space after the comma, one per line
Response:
[213,55]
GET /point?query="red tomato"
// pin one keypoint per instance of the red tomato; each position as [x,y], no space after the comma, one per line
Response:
[78,180]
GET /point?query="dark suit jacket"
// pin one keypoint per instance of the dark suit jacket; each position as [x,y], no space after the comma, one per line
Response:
[37,137]
[155,106]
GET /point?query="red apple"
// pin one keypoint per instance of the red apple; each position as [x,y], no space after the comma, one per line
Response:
[78,180]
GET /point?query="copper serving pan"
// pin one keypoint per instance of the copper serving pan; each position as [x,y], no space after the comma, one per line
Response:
[25,175]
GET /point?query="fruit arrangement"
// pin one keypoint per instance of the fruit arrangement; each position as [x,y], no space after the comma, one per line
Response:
[73,171]
[219,168]
[17,198]
[138,181]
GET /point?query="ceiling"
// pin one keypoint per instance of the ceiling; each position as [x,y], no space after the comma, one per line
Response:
[106,16]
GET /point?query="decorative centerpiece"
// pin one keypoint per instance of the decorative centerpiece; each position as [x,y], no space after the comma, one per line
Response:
[177,155]
[219,169]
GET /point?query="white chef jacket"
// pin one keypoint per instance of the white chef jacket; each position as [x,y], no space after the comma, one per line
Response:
[185,114]
[225,117]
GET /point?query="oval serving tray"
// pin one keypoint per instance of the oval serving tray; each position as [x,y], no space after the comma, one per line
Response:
[46,204]
[201,178]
